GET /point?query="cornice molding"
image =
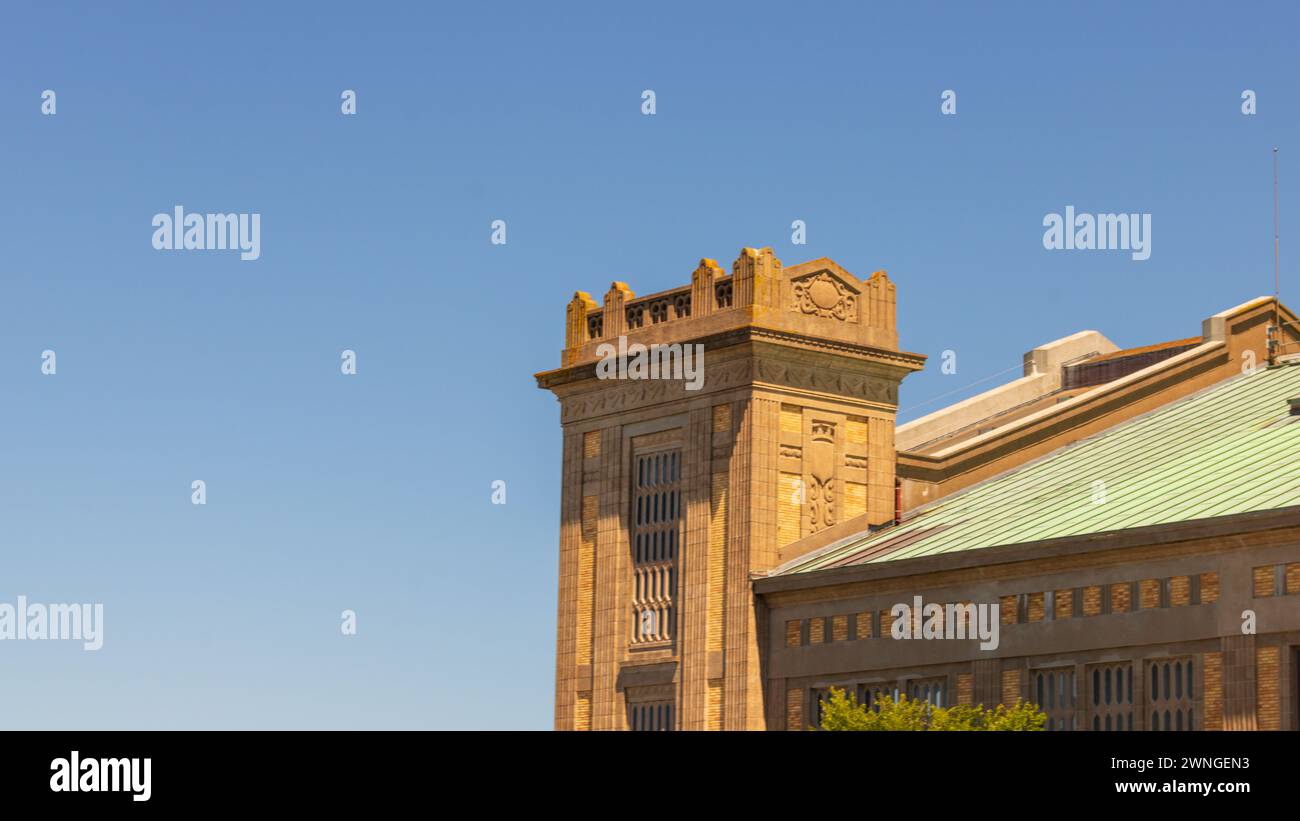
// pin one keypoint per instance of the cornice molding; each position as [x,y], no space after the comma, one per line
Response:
[904,360]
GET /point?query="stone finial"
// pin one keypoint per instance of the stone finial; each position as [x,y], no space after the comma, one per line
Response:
[616,299]
[882,307]
[575,324]
[702,281]
[757,275]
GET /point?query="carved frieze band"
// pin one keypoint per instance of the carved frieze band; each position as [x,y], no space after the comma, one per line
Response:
[827,381]
[640,393]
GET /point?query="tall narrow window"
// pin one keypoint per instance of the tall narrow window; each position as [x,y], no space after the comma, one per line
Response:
[820,697]
[1171,698]
[656,535]
[872,694]
[1110,696]
[1055,693]
[651,716]
[933,691]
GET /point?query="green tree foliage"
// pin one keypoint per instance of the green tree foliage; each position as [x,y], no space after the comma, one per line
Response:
[842,711]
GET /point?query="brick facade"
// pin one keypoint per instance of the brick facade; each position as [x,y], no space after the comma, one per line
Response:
[789,435]
[788,445]
[1237,681]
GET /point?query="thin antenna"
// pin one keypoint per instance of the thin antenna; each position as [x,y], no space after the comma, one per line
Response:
[1275,333]
[1277,278]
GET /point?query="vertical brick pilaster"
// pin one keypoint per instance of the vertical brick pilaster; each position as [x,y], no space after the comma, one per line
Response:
[697,456]
[611,570]
[739,591]
[1212,690]
[965,689]
[1012,683]
[751,546]
[881,458]
[1268,695]
[570,537]
[765,553]
[1239,683]
[794,708]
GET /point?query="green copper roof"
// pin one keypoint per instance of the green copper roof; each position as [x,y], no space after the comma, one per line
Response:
[1231,448]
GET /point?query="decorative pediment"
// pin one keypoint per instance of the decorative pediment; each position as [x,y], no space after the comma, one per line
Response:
[825,295]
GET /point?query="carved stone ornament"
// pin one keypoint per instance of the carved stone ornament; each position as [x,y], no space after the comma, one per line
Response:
[821,503]
[825,296]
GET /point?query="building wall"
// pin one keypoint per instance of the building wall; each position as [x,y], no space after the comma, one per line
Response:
[1145,606]
[790,434]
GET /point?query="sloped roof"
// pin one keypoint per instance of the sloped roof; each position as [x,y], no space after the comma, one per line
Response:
[1231,448]
[1190,342]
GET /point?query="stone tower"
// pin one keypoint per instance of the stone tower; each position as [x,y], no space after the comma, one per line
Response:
[684,477]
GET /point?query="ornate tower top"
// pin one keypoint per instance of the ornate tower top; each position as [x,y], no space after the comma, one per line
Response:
[815,305]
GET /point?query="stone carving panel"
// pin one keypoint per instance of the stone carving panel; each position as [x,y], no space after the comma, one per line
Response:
[820,509]
[825,296]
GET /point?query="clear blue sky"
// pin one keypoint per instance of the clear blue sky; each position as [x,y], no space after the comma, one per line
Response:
[372,493]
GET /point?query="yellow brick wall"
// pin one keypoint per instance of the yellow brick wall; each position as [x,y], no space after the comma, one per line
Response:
[1268,703]
[855,499]
[1092,600]
[721,418]
[840,628]
[794,709]
[1212,666]
[1037,608]
[713,704]
[1180,591]
[965,689]
[1209,588]
[715,626]
[1119,598]
[1064,608]
[794,633]
[816,630]
[1263,581]
[886,624]
[791,420]
[1293,578]
[590,444]
[1010,687]
[787,509]
[855,430]
[1063,604]
[586,580]
[582,711]
[715,622]
[1149,590]
[864,625]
